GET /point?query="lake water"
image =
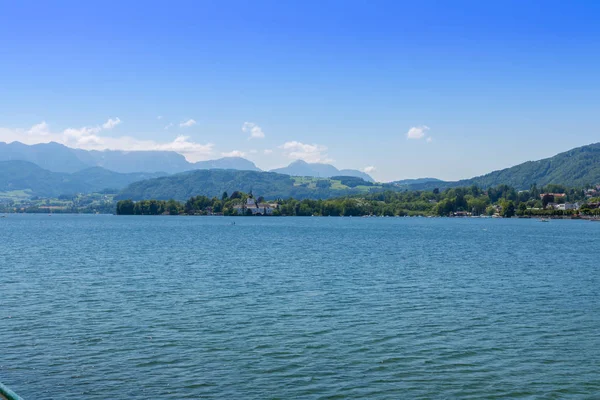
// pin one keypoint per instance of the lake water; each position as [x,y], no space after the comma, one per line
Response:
[98,307]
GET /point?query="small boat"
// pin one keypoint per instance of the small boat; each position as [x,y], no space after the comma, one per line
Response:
[544,220]
[6,393]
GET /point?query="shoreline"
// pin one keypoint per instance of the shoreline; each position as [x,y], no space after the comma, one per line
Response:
[538,217]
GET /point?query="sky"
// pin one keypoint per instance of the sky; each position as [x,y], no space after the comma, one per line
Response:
[449,89]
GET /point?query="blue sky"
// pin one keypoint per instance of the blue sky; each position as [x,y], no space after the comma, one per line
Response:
[482,85]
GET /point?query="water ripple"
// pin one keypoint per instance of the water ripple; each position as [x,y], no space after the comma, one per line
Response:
[102,307]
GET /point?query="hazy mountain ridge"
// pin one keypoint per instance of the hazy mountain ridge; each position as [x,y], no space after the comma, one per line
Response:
[50,156]
[319,170]
[237,163]
[21,175]
[56,157]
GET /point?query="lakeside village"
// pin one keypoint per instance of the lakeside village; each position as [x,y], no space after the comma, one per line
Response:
[552,201]
[498,202]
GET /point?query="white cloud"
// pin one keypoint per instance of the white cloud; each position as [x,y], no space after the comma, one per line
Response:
[313,153]
[234,153]
[188,123]
[267,151]
[40,129]
[417,132]
[87,134]
[159,117]
[82,132]
[111,123]
[255,131]
[429,139]
[89,138]
[369,169]
[167,127]
[191,150]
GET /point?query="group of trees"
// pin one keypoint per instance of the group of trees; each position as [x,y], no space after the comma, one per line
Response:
[196,205]
[503,200]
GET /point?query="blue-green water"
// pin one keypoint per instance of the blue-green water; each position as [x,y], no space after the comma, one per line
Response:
[97,307]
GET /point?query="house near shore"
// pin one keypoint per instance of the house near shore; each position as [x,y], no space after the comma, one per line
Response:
[563,206]
[255,208]
[568,206]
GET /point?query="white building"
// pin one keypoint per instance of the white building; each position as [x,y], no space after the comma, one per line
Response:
[255,208]
[567,206]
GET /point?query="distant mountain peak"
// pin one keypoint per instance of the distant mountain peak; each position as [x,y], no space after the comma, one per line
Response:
[319,170]
[57,157]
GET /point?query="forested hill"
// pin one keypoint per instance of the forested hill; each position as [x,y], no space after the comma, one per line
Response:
[268,184]
[576,168]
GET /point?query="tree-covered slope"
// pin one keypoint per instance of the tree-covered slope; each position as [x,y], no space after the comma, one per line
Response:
[214,182]
[575,168]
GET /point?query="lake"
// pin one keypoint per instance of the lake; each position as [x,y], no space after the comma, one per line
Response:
[100,306]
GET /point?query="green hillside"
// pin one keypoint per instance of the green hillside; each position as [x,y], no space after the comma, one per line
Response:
[268,184]
[575,168]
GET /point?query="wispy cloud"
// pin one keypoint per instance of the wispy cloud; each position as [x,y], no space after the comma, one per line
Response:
[111,123]
[267,151]
[188,123]
[168,126]
[369,169]
[314,153]
[159,117]
[234,153]
[255,131]
[90,138]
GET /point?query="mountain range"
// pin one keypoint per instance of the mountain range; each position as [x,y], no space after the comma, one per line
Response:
[56,157]
[52,169]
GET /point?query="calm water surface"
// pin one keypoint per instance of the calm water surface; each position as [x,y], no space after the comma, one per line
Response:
[98,307]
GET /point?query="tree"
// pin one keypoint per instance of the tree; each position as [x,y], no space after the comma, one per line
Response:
[547,198]
[125,207]
[477,205]
[224,196]
[508,209]
[172,207]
